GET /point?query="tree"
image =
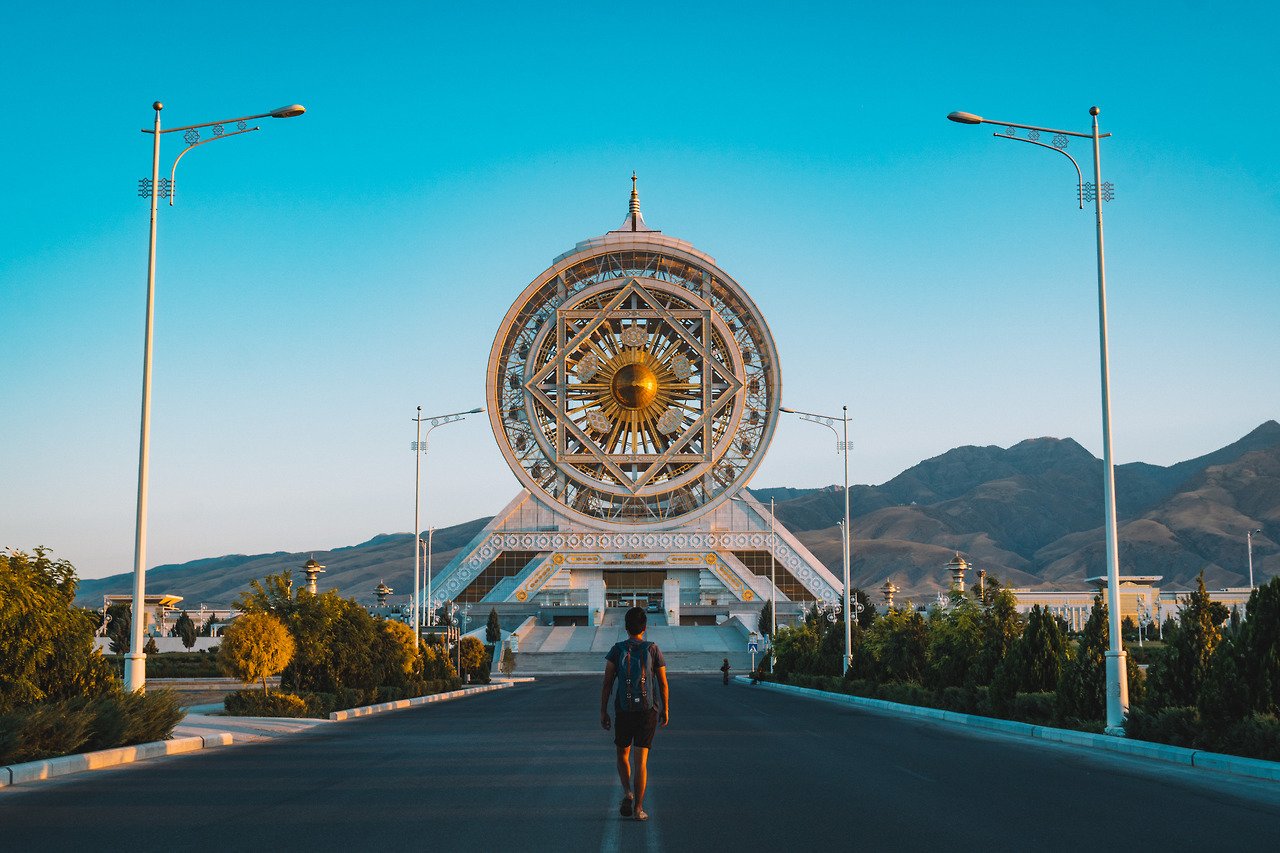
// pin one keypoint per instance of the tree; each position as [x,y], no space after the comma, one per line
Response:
[186,629]
[119,622]
[493,628]
[766,619]
[472,653]
[150,647]
[254,647]
[1177,674]
[399,662]
[955,643]
[1082,689]
[899,642]
[1001,626]
[47,650]
[1034,663]
[507,663]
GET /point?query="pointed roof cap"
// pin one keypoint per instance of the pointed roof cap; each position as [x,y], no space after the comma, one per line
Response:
[635,219]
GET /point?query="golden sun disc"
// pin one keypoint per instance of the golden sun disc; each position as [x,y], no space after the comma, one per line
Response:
[634,386]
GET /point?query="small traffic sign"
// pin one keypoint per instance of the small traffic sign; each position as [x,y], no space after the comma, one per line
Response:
[753,647]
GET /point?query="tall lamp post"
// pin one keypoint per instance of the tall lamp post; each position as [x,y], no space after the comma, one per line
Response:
[135,663]
[842,446]
[419,448]
[1249,548]
[773,580]
[1097,192]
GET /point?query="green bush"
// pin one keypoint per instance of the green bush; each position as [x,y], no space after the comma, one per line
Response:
[181,665]
[255,703]
[124,719]
[51,729]
[1256,736]
[1034,708]
[1176,726]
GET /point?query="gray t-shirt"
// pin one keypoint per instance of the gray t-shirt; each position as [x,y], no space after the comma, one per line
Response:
[656,662]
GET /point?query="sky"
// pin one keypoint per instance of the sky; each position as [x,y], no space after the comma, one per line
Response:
[319,279]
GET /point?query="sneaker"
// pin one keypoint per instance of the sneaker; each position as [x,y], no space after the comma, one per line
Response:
[624,808]
[641,814]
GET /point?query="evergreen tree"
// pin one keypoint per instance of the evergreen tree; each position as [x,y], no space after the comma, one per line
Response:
[493,628]
[899,642]
[151,648]
[955,643]
[1082,690]
[119,622]
[1001,625]
[186,629]
[1177,674]
[766,619]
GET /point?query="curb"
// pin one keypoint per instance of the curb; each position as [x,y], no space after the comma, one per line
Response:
[400,704]
[49,768]
[1254,768]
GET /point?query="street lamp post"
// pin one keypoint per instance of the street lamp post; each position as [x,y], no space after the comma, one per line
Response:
[1097,192]
[419,447]
[135,663]
[1249,548]
[773,581]
[842,446]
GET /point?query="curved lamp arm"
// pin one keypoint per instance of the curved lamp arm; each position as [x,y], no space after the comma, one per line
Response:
[173,186]
[1062,151]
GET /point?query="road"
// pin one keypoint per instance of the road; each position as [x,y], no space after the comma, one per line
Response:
[741,769]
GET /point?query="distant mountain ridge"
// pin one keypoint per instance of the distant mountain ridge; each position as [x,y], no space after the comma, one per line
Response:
[1030,514]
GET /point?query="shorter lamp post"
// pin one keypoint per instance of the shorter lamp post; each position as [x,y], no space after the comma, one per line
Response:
[1249,548]
[842,446]
[773,579]
[419,448]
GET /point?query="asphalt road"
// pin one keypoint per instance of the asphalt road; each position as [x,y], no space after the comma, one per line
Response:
[529,769]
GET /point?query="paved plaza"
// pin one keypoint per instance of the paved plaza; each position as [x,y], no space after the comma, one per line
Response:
[529,769]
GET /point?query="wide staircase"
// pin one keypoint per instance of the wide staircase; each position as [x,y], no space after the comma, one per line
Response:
[569,649]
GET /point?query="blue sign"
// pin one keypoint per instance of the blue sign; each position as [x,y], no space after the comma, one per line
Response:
[753,647]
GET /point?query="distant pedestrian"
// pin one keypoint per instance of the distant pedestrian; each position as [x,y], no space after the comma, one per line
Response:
[637,706]
[725,669]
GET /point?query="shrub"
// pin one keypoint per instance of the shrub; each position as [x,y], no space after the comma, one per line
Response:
[255,703]
[51,729]
[256,645]
[1034,707]
[124,719]
[1177,726]
[1256,736]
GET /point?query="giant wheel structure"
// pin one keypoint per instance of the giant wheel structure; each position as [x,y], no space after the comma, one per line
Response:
[634,382]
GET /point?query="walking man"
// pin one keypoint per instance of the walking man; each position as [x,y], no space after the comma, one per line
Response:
[642,700]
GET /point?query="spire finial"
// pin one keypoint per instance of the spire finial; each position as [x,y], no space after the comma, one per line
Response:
[635,196]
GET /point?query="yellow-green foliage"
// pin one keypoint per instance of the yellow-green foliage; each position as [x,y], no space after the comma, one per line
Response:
[255,646]
[472,653]
[400,661]
[46,643]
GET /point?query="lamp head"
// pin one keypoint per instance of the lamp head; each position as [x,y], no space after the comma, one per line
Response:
[477,410]
[964,118]
[785,409]
[288,112]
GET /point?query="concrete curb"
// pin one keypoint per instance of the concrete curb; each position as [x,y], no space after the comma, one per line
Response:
[368,710]
[1254,768]
[49,768]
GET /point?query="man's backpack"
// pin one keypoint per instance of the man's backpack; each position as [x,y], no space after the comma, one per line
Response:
[635,693]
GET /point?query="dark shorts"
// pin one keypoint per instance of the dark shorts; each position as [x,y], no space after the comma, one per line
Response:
[635,728]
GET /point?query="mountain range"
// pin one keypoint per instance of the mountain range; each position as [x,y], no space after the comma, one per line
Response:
[1029,514]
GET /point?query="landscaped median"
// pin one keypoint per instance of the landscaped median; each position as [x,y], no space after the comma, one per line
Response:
[1236,765]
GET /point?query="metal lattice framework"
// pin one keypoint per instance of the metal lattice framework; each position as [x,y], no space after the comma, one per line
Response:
[634,383]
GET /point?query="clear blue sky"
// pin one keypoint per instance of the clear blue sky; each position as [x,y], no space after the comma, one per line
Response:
[321,278]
